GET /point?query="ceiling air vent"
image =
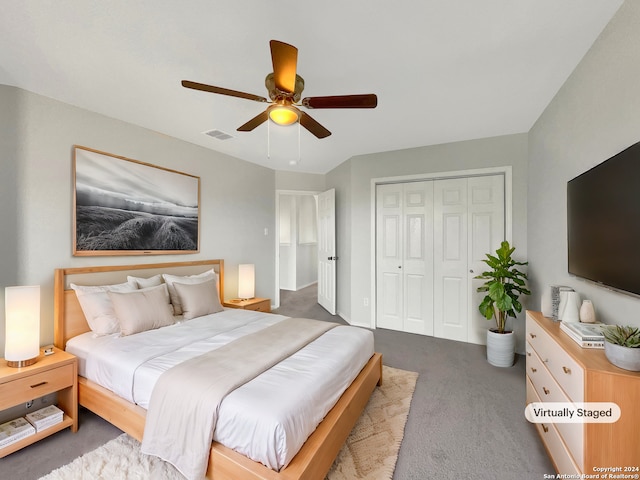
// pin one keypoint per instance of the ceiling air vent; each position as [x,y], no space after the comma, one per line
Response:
[219,134]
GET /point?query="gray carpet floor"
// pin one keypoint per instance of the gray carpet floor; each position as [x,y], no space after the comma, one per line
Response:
[466,420]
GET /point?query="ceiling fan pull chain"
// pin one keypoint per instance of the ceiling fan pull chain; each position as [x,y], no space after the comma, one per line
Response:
[299,154]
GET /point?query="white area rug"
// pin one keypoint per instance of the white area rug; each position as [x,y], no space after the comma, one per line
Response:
[370,452]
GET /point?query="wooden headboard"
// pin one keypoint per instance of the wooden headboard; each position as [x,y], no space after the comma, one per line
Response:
[69,320]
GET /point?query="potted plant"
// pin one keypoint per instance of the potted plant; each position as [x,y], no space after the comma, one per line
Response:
[622,346]
[504,285]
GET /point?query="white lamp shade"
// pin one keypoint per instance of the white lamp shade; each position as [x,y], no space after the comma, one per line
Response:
[22,323]
[246,280]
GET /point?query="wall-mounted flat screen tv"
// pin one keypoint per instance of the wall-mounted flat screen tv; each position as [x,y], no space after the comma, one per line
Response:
[603,222]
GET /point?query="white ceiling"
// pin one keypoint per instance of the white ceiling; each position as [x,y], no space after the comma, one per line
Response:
[443,70]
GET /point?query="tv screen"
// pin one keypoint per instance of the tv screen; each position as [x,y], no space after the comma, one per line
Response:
[603,222]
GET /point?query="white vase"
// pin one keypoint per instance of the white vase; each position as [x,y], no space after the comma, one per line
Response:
[571,307]
[501,348]
[587,312]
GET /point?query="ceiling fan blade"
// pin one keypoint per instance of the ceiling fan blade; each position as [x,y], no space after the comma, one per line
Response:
[342,101]
[222,91]
[284,58]
[314,127]
[254,122]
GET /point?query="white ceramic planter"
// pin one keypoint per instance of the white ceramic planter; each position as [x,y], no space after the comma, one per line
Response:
[623,357]
[501,348]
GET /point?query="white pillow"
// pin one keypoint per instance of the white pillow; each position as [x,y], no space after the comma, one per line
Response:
[142,310]
[97,307]
[198,299]
[189,279]
[140,282]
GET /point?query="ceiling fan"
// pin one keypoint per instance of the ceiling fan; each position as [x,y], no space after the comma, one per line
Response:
[285,88]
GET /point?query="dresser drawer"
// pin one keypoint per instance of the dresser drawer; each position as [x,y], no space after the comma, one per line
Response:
[545,385]
[548,390]
[566,371]
[558,451]
[35,386]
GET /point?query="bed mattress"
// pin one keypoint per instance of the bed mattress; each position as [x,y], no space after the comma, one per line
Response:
[267,419]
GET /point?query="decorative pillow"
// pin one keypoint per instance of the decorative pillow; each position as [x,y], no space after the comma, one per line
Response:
[142,310]
[189,279]
[198,299]
[97,307]
[140,282]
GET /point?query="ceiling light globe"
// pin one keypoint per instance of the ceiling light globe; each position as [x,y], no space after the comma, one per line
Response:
[283,115]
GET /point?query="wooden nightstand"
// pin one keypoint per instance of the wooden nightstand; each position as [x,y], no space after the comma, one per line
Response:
[257,304]
[57,372]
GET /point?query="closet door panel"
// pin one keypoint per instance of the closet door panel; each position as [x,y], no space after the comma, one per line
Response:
[389,257]
[450,259]
[417,263]
[487,231]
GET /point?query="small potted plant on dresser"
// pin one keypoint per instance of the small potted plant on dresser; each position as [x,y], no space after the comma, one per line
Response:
[622,346]
[504,285]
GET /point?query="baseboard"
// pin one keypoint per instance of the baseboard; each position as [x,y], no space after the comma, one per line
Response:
[305,286]
[344,317]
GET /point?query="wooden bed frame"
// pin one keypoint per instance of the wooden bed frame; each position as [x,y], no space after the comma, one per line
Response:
[314,458]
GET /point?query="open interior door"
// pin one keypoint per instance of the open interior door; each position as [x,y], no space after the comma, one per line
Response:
[327,250]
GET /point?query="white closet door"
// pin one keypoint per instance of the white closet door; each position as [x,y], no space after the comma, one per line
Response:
[417,260]
[487,231]
[431,238]
[404,243]
[389,256]
[327,250]
[451,295]
[469,222]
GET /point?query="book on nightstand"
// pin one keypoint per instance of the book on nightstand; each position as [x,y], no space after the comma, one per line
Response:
[586,335]
[45,417]
[11,432]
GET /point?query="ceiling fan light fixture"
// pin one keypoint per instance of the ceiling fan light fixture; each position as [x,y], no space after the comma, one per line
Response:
[284,115]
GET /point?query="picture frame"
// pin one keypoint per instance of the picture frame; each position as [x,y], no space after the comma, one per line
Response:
[123,206]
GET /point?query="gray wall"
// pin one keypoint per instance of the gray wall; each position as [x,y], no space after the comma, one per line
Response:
[309,182]
[595,115]
[352,181]
[237,198]
[10,123]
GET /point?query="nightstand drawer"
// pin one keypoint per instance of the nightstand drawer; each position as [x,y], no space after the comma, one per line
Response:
[255,304]
[36,385]
[264,306]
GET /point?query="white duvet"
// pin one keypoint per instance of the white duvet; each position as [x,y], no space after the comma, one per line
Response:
[267,419]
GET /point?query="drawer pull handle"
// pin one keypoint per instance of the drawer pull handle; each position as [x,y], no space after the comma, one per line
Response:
[566,370]
[534,370]
[533,335]
[528,354]
[38,384]
[546,390]
[544,427]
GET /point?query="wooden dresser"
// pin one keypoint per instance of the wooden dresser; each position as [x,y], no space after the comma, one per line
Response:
[558,370]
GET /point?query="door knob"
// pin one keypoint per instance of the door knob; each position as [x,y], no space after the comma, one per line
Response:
[332,258]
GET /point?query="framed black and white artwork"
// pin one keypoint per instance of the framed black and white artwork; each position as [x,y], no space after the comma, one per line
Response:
[127,207]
